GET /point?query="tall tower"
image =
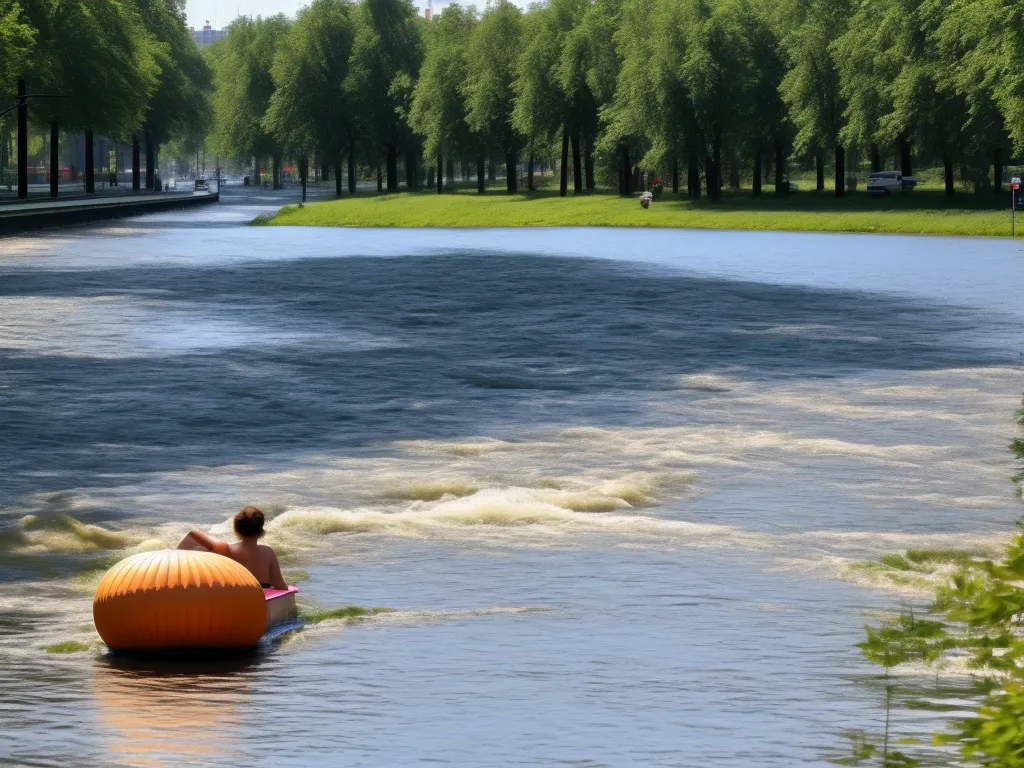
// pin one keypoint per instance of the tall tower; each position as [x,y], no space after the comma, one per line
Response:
[427,14]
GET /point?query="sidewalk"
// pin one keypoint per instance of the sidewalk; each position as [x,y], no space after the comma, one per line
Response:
[76,191]
[34,202]
[41,213]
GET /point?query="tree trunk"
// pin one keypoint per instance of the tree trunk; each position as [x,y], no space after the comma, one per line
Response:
[947,169]
[90,178]
[710,174]
[151,161]
[512,171]
[410,172]
[351,166]
[380,179]
[675,175]
[714,171]
[588,165]
[392,169]
[876,161]
[440,173]
[577,170]
[625,173]
[325,171]
[136,170]
[905,166]
[275,165]
[819,165]
[840,171]
[563,186]
[529,174]
[23,140]
[734,176]
[781,185]
[337,176]
[757,172]
[54,160]
[481,174]
[303,174]
[997,171]
[693,174]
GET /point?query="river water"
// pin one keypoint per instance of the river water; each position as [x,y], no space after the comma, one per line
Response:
[618,487]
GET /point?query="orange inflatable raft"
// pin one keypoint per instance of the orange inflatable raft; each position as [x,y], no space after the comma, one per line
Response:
[186,600]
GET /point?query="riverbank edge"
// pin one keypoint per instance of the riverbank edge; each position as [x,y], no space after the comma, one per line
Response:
[28,217]
[464,211]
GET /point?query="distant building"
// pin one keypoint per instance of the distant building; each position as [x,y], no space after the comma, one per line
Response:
[208,35]
[429,12]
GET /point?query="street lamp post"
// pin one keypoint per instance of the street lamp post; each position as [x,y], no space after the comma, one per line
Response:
[22,140]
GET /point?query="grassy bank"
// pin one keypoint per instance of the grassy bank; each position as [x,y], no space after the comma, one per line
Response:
[922,212]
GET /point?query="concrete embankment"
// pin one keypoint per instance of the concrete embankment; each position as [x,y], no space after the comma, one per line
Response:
[23,217]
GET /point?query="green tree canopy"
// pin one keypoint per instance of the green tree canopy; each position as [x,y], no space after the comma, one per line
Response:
[17,40]
[385,60]
[99,56]
[180,105]
[643,116]
[491,56]
[242,65]
[439,106]
[811,85]
[309,109]
[715,71]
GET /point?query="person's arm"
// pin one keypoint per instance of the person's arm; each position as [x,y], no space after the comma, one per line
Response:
[198,540]
[276,577]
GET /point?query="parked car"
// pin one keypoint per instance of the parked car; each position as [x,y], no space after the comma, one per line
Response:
[887,182]
[202,184]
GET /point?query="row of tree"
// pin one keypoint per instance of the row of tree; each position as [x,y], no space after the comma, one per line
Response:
[714,89]
[719,88]
[127,69]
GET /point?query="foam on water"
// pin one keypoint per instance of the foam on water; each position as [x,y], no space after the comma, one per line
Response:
[62,533]
[545,484]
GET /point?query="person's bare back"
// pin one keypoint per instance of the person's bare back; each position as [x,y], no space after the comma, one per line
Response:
[259,559]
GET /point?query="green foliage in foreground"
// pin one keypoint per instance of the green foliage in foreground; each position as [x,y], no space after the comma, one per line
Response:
[977,617]
[924,213]
[68,646]
[348,613]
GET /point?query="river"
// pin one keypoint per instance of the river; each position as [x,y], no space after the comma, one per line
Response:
[619,488]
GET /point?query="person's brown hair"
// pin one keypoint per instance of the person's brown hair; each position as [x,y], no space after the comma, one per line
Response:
[249,523]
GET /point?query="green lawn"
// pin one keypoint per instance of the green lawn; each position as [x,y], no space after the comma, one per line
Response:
[922,212]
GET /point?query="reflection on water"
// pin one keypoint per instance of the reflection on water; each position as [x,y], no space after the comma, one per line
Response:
[168,714]
[621,498]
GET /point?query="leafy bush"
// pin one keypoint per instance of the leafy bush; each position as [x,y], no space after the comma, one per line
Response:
[977,616]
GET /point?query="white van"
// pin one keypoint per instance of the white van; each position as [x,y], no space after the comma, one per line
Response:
[887,182]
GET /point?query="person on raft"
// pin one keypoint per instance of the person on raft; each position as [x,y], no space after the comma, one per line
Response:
[260,559]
